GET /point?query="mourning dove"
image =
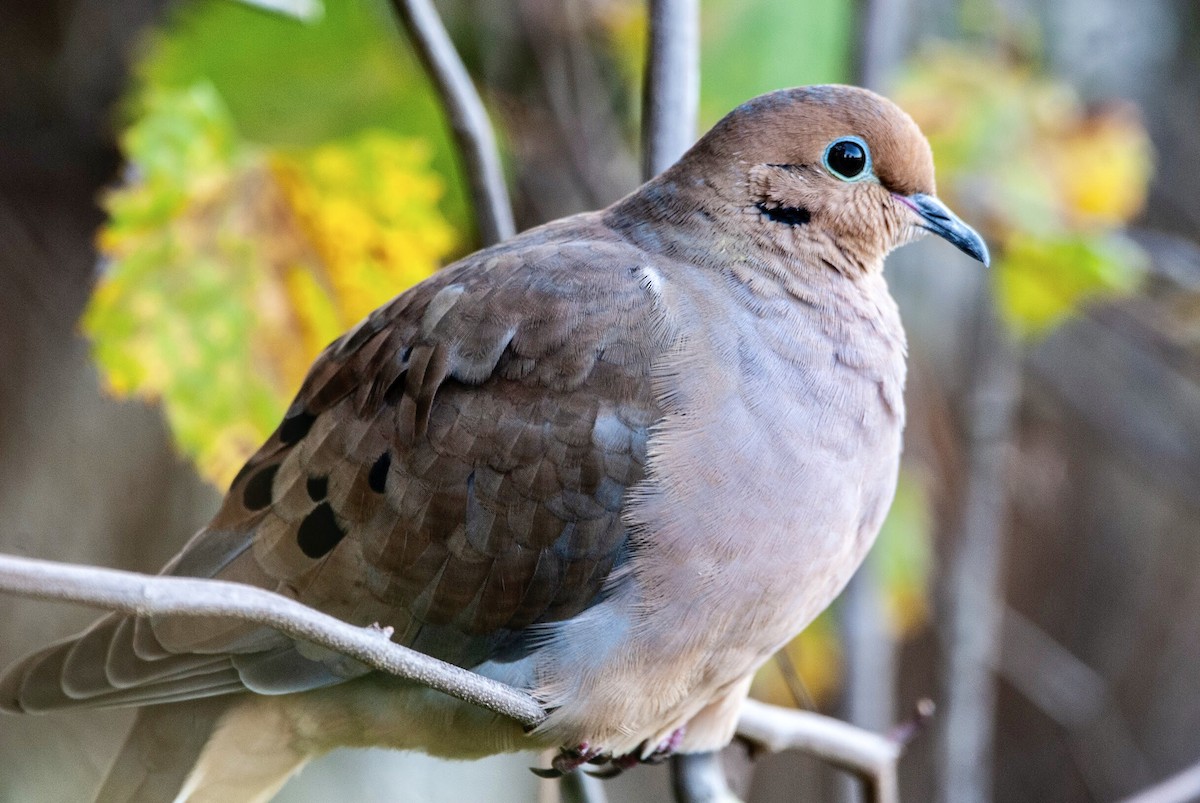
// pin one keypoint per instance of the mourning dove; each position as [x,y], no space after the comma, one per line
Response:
[617,461]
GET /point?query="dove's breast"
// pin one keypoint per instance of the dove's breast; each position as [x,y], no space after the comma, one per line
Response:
[767,480]
[772,481]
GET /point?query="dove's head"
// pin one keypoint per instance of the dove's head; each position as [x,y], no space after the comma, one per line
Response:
[831,171]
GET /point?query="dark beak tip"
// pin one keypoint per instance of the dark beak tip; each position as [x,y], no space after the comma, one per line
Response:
[980,253]
[938,219]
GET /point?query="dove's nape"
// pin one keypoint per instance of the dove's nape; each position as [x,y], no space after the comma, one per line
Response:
[617,461]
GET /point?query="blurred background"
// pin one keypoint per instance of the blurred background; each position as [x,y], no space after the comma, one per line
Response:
[195,196]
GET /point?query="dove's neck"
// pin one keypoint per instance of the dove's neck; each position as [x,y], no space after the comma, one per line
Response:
[709,224]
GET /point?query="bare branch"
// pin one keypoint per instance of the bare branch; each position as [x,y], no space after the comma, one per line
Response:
[866,754]
[699,777]
[881,36]
[468,119]
[971,631]
[580,787]
[303,10]
[1177,789]
[672,91]
[144,595]
[1065,688]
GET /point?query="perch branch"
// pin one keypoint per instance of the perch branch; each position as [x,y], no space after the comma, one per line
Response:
[1178,788]
[872,757]
[467,117]
[699,778]
[145,595]
[771,727]
[672,90]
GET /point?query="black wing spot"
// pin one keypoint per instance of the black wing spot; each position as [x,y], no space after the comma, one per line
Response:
[377,478]
[257,494]
[318,488]
[295,427]
[789,215]
[395,391]
[320,532]
[243,472]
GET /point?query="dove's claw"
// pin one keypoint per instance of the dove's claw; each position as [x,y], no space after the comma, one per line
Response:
[569,759]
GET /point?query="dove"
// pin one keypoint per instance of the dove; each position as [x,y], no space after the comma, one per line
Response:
[616,461]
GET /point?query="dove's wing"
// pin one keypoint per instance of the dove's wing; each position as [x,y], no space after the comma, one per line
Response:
[454,468]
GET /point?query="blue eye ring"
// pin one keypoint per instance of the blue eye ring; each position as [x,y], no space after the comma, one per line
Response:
[864,169]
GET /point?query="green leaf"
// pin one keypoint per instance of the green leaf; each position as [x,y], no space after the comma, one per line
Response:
[289,83]
[1041,281]
[753,46]
[230,267]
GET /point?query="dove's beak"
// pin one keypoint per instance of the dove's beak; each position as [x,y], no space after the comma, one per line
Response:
[937,218]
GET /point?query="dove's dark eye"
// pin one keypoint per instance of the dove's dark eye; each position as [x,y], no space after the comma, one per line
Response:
[848,158]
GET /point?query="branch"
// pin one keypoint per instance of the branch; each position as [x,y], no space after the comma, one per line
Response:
[303,10]
[1177,789]
[672,91]
[971,630]
[580,787]
[670,98]
[868,755]
[700,777]
[468,120]
[865,753]
[882,32]
[145,595]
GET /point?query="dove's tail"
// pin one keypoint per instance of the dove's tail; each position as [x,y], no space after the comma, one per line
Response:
[214,750]
[161,751]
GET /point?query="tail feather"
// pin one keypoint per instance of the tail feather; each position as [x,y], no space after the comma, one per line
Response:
[161,751]
[76,674]
[193,688]
[83,673]
[23,689]
[132,661]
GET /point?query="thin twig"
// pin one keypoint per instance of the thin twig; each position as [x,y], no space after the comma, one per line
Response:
[868,644]
[670,98]
[580,787]
[866,754]
[303,10]
[700,777]
[672,91]
[881,37]
[144,595]
[468,120]
[971,630]
[1179,788]
[801,696]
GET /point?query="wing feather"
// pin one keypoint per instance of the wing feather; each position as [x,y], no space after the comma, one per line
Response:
[455,467]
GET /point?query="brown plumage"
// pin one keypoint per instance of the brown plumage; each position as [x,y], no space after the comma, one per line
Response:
[618,461]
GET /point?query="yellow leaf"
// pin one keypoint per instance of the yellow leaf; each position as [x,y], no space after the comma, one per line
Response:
[230,267]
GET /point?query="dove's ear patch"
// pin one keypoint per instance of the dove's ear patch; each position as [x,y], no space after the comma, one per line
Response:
[789,215]
[295,427]
[317,487]
[257,493]
[377,478]
[778,192]
[320,532]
